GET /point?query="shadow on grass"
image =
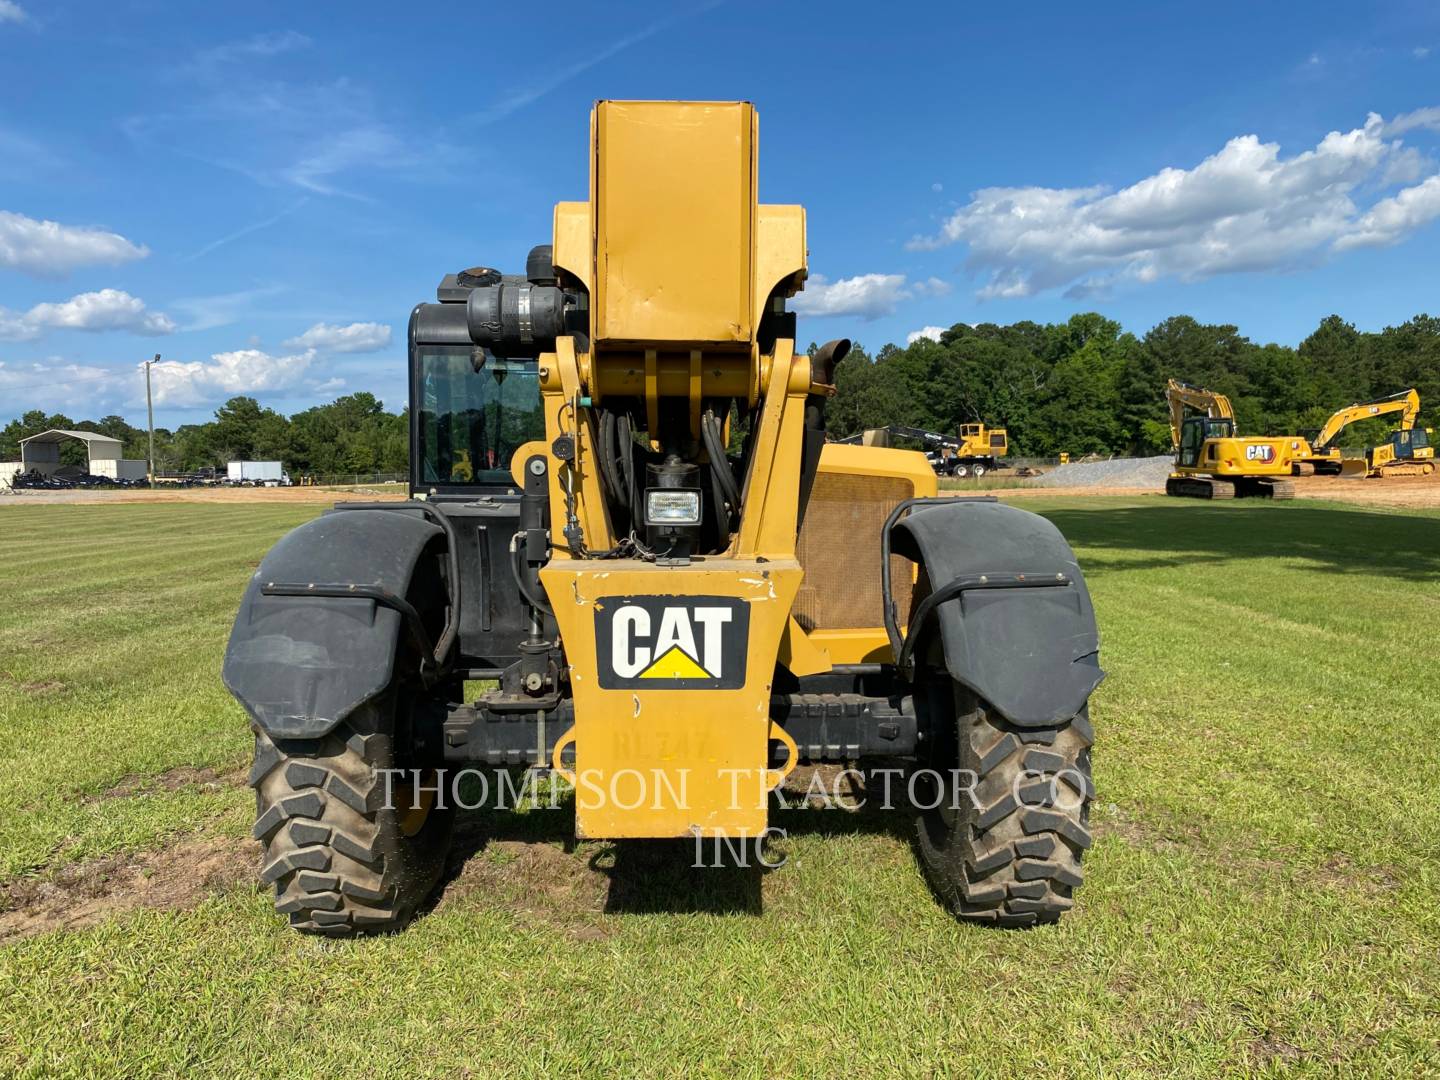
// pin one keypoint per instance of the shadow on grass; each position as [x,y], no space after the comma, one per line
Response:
[1179,534]
[667,876]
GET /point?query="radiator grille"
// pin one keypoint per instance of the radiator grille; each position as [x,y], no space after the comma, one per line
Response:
[839,547]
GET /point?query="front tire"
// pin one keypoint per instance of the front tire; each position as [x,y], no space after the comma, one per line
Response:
[341,860]
[1004,844]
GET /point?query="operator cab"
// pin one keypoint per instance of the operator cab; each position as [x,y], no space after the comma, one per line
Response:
[1195,431]
[469,412]
[1407,444]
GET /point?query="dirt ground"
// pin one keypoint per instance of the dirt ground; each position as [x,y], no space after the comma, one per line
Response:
[1404,492]
[85,893]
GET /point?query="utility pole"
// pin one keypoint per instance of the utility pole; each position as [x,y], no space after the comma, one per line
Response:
[150,416]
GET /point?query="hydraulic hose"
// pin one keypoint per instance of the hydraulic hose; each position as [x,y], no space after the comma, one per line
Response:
[713,437]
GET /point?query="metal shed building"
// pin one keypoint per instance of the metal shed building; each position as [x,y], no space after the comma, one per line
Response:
[42,453]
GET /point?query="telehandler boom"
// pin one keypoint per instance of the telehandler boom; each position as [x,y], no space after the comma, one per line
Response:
[670,625]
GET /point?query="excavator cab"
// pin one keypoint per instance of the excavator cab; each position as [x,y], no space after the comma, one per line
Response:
[1196,430]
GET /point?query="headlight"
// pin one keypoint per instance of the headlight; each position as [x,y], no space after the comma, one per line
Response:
[672,506]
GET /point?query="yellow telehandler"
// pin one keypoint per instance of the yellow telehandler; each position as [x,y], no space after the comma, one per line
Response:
[671,625]
[1212,462]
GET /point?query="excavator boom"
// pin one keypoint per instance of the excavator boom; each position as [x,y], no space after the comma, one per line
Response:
[1180,396]
[1406,402]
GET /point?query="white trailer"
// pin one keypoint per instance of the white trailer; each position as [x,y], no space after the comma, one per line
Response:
[119,468]
[259,473]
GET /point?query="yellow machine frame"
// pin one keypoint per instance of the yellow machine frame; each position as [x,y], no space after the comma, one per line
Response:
[660,244]
[1231,457]
[976,440]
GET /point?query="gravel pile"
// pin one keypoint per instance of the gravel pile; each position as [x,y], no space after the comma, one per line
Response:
[1118,472]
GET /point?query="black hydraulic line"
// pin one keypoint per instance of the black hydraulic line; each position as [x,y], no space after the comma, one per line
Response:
[606,451]
[714,439]
[522,581]
[626,443]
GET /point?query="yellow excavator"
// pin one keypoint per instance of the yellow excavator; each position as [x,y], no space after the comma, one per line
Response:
[1406,452]
[1212,462]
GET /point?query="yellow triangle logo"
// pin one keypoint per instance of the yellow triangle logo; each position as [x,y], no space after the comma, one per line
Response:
[675,664]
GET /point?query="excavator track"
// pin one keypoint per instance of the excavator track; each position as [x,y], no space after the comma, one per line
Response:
[1264,487]
[1199,487]
[1213,487]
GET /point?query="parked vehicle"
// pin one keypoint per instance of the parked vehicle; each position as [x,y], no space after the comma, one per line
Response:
[257,474]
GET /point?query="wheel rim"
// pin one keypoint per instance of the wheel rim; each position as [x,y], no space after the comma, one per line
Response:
[411,813]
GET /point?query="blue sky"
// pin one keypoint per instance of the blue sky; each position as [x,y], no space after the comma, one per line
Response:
[261,192]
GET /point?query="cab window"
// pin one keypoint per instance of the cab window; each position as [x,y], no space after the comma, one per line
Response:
[472,411]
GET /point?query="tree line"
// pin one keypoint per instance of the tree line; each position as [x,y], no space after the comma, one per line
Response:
[1087,387]
[353,434]
[1084,386]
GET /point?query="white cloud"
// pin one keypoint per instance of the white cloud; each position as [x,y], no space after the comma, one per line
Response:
[245,371]
[1421,52]
[208,312]
[250,108]
[1428,119]
[12,12]
[257,46]
[558,74]
[1391,220]
[870,296]
[57,385]
[246,230]
[358,337]
[931,332]
[48,249]
[96,312]
[329,386]
[1244,208]
[937,187]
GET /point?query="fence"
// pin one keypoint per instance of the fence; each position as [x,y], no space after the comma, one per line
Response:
[351,479]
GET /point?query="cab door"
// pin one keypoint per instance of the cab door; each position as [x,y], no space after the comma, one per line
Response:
[1192,438]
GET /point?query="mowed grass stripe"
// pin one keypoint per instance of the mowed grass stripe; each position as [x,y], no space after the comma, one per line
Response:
[1260,895]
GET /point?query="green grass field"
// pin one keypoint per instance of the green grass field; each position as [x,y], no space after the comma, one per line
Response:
[1263,895]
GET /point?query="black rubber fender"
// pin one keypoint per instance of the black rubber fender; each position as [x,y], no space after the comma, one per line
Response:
[301,665]
[1033,654]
